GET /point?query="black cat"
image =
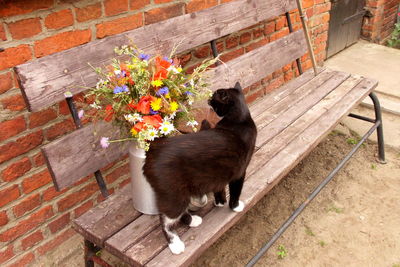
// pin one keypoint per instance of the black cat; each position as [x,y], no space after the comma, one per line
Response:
[195,164]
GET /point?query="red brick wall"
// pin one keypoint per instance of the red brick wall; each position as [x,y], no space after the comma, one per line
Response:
[379,27]
[34,218]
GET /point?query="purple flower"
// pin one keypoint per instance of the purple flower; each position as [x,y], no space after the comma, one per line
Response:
[120,89]
[162,91]
[104,142]
[169,60]
[144,57]
[152,112]
[188,93]
[122,74]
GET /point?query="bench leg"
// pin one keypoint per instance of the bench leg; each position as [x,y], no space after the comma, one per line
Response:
[89,252]
[379,130]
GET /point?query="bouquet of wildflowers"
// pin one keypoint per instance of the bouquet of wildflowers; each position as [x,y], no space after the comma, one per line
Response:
[147,95]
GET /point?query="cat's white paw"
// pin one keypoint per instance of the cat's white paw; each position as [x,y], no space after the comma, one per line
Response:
[196,221]
[176,246]
[218,204]
[240,207]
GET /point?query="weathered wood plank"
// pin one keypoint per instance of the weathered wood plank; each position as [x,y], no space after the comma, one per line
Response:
[282,117]
[277,143]
[273,97]
[246,68]
[61,155]
[110,216]
[45,80]
[218,221]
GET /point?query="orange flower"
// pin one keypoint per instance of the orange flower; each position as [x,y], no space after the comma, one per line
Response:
[160,74]
[132,106]
[138,126]
[109,113]
[154,120]
[161,69]
[144,104]
[162,63]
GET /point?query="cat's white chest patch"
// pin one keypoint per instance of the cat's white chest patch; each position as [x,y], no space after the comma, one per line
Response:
[196,221]
[240,207]
[176,246]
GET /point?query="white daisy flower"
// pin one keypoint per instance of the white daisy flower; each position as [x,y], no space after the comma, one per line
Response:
[95,106]
[132,118]
[151,134]
[166,128]
[192,123]
[117,72]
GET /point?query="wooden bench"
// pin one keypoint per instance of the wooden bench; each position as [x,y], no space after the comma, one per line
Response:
[291,121]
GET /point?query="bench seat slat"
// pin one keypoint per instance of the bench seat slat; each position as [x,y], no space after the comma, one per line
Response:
[45,80]
[276,122]
[61,154]
[218,221]
[104,220]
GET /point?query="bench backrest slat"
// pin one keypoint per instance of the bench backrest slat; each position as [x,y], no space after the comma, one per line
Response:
[80,151]
[45,80]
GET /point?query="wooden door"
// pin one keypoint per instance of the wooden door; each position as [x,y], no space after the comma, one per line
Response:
[345,24]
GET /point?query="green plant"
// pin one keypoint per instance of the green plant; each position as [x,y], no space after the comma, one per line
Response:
[322,243]
[351,141]
[282,252]
[394,40]
[309,231]
[335,209]
[373,166]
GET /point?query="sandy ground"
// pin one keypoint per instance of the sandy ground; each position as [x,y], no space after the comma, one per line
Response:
[355,221]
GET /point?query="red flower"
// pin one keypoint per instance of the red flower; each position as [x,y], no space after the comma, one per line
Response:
[109,113]
[154,120]
[144,104]
[161,69]
[162,63]
[132,106]
[160,74]
[138,126]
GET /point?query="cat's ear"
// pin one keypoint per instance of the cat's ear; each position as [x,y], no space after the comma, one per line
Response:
[238,86]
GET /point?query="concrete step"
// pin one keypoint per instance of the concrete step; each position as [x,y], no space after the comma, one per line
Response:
[389,103]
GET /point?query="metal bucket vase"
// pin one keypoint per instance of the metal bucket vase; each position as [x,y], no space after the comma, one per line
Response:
[143,196]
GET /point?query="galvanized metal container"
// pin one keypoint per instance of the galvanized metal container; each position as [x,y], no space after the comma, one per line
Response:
[143,196]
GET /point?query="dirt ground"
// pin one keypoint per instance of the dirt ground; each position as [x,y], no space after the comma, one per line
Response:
[355,221]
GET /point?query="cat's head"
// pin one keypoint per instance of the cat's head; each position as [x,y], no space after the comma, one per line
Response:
[229,102]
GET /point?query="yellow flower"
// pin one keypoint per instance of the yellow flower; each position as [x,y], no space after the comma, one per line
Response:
[133,132]
[167,96]
[179,69]
[173,106]
[157,83]
[156,104]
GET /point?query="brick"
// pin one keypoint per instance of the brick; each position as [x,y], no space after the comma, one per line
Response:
[60,19]
[51,245]
[9,194]
[288,76]
[51,193]
[184,59]
[159,14]
[162,1]
[59,223]
[83,208]
[31,240]
[245,38]
[38,159]
[233,54]
[138,4]
[114,7]
[278,35]
[12,127]
[88,12]
[196,5]
[275,83]
[117,173]
[16,170]
[14,102]
[257,44]
[63,108]
[202,52]
[101,198]
[257,33]
[6,82]
[12,8]
[77,197]
[42,117]
[24,260]
[307,3]
[36,181]
[253,96]
[6,253]
[20,146]
[25,28]
[59,129]
[26,225]
[119,25]
[14,56]
[124,183]
[26,205]
[3,36]
[232,42]
[280,23]
[61,41]
[3,218]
